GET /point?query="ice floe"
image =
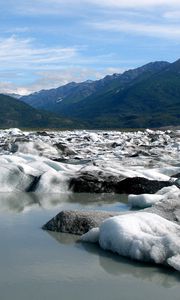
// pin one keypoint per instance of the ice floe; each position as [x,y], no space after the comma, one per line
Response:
[149,154]
[141,236]
[147,200]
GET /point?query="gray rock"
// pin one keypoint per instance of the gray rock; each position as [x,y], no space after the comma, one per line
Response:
[169,209]
[64,149]
[77,222]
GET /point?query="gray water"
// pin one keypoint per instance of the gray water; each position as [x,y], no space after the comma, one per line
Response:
[35,264]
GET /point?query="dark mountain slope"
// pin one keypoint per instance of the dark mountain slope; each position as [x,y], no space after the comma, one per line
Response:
[61,99]
[152,101]
[14,113]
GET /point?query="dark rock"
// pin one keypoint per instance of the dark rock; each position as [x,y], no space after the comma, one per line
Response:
[138,153]
[177,182]
[90,183]
[32,187]
[42,133]
[64,149]
[87,138]
[176,175]
[13,147]
[22,139]
[77,222]
[139,185]
[114,145]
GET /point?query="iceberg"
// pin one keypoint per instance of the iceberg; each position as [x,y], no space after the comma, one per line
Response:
[140,236]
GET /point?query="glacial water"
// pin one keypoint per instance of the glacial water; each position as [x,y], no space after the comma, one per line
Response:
[36,264]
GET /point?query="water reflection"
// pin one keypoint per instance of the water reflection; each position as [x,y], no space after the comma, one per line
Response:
[120,266]
[19,202]
[64,238]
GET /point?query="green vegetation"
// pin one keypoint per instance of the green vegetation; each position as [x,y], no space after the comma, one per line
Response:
[14,113]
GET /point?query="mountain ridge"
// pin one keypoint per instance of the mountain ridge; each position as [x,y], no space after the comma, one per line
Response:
[76,92]
[148,96]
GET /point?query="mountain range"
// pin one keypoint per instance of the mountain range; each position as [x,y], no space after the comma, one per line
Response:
[148,96]
[15,113]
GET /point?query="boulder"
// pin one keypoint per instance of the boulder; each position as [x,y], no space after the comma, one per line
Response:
[140,185]
[64,149]
[90,183]
[77,222]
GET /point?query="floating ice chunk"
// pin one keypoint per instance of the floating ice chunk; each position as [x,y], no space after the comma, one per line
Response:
[13,178]
[142,236]
[174,262]
[91,236]
[94,137]
[147,200]
[169,190]
[154,175]
[52,182]
[37,148]
[14,131]
[144,200]
[169,171]
[149,131]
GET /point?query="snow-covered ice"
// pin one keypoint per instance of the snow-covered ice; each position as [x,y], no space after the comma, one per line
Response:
[150,154]
[147,200]
[143,200]
[141,236]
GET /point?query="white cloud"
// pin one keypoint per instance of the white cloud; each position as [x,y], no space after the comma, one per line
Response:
[16,30]
[55,78]
[21,53]
[68,7]
[116,3]
[10,88]
[135,3]
[26,68]
[153,30]
[172,15]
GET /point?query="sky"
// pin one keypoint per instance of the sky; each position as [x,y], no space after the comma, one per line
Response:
[48,43]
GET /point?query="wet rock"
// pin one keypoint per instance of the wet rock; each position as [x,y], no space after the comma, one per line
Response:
[77,222]
[176,175]
[42,133]
[139,185]
[89,183]
[114,145]
[139,153]
[64,149]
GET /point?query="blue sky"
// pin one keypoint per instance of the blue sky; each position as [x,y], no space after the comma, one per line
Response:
[48,43]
